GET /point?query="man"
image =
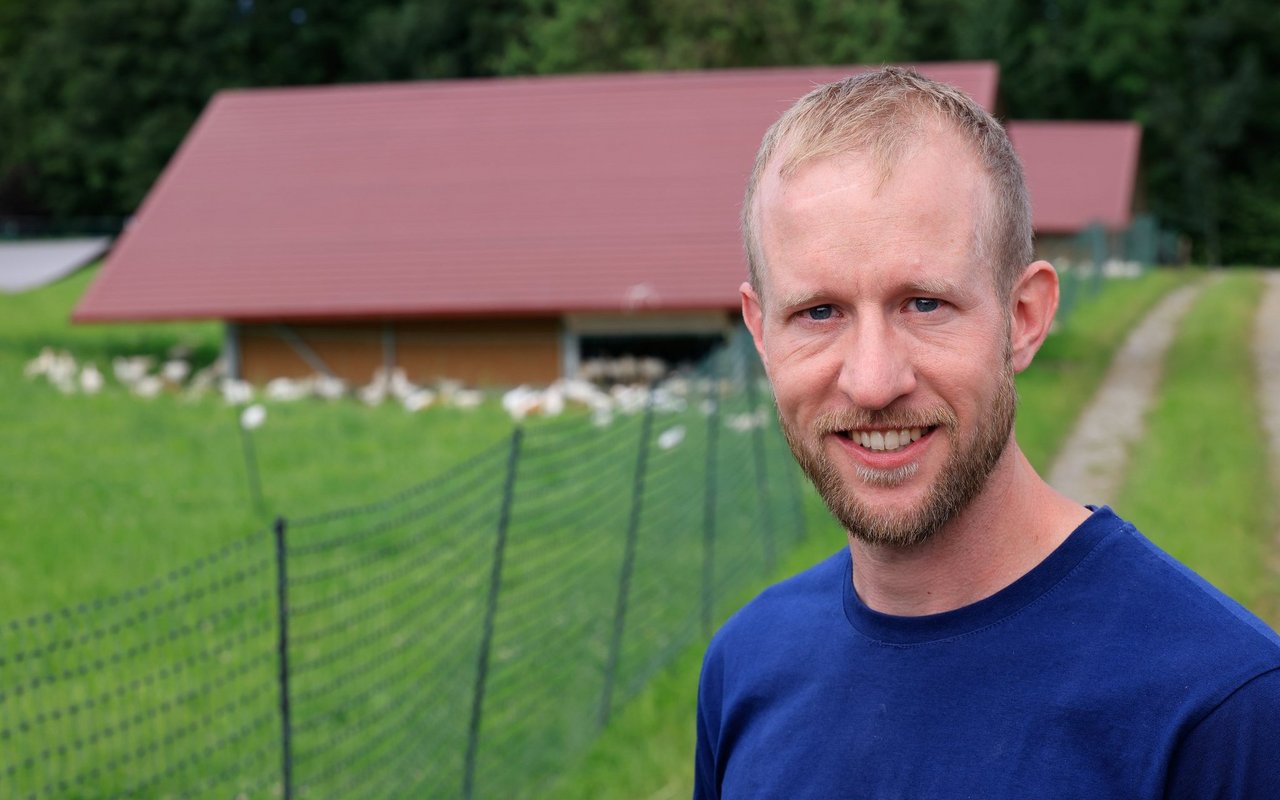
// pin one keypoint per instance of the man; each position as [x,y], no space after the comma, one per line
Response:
[983,636]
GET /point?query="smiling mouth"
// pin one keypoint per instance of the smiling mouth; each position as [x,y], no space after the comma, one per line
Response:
[885,440]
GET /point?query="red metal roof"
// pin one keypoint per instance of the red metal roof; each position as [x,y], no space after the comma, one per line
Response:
[524,195]
[1079,173]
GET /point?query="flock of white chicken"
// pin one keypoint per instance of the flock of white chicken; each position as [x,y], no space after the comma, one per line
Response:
[146,377]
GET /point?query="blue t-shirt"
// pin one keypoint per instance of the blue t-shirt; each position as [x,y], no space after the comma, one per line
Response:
[1108,671]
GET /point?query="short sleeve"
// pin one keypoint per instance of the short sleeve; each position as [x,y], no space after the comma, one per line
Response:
[1234,752]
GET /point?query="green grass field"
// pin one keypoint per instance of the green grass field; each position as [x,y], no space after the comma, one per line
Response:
[1067,370]
[110,492]
[1199,484]
[173,684]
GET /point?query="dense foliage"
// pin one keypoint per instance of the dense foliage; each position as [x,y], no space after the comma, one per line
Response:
[94,96]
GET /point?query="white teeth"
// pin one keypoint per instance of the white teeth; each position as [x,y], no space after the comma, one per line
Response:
[886,440]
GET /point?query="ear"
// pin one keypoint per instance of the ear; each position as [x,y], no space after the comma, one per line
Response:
[753,316]
[1034,301]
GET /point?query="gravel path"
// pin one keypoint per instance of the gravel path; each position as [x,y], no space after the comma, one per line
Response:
[1091,466]
[1267,350]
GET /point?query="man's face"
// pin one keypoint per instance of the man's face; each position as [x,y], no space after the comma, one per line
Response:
[883,337]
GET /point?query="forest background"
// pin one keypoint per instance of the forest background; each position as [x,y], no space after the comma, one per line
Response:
[95,95]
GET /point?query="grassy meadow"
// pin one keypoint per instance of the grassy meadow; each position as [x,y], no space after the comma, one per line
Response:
[104,492]
[132,518]
[169,686]
[111,492]
[1067,370]
[1198,483]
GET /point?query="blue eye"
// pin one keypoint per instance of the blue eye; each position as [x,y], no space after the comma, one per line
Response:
[925,304]
[820,312]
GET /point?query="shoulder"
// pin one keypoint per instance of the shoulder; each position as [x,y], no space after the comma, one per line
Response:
[781,607]
[794,609]
[1159,577]
[1162,601]
[766,638]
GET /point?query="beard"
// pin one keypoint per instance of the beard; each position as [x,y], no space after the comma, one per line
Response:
[963,475]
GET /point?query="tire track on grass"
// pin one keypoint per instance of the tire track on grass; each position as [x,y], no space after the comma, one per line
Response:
[1267,354]
[1091,466]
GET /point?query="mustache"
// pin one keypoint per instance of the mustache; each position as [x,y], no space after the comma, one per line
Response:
[851,418]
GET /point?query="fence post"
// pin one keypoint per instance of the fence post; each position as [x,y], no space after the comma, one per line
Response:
[282,607]
[762,472]
[1099,250]
[491,606]
[628,561]
[709,501]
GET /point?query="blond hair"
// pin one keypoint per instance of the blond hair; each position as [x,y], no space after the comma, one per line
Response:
[881,113]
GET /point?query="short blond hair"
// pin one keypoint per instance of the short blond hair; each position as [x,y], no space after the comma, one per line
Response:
[881,113]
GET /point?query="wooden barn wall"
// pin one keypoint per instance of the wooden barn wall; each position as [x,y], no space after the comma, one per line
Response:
[476,352]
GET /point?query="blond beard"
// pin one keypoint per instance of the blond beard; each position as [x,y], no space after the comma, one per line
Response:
[963,476]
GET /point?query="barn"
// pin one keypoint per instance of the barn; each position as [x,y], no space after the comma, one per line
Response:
[493,231]
[1081,175]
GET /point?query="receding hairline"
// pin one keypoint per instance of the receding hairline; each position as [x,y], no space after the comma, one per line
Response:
[881,115]
[927,131]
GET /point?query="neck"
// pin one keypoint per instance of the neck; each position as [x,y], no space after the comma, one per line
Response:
[1009,528]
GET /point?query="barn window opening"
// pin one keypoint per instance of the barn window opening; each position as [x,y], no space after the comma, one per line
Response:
[676,351]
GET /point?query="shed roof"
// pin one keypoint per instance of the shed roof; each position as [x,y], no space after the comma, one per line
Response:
[523,195]
[1079,173]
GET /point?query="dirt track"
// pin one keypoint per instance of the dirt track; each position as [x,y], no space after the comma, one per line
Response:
[1267,351]
[1091,466]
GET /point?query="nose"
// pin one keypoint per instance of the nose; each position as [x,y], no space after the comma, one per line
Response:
[877,366]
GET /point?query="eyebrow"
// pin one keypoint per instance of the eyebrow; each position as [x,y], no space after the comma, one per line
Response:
[925,287]
[930,287]
[798,299]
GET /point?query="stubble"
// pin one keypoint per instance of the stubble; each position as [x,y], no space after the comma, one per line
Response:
[962,478]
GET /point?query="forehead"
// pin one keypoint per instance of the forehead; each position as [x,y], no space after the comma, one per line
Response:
[921,215]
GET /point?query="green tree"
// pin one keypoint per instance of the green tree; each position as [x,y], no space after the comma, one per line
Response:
[585,35]
[1194,73]
[97,95]
[435,39]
